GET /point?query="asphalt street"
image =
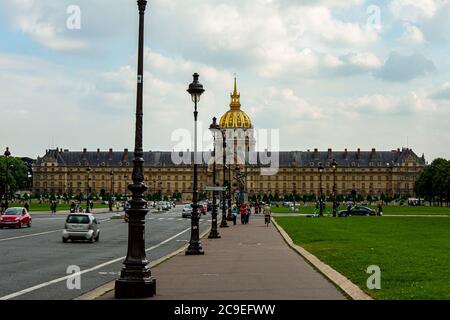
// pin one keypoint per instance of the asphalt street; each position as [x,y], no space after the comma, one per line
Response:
[34,261]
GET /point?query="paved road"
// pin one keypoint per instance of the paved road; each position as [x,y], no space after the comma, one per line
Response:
[34,261]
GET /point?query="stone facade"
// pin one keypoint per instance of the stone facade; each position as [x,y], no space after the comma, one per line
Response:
[367,172]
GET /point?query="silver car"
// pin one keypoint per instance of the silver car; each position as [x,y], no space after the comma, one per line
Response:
[81,226]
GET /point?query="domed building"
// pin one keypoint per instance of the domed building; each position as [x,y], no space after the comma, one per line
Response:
[239,128]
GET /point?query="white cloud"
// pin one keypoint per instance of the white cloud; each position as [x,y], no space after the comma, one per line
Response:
[404,68]
[412,35]
[412,10]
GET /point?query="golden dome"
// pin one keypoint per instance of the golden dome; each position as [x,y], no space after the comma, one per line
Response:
[235,117]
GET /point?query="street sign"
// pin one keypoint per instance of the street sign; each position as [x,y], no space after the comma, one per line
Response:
[212,188]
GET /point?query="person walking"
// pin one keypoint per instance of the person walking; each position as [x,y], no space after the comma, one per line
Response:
[243,211]
[26,206]
[234,213]
[266,212]
[380,210]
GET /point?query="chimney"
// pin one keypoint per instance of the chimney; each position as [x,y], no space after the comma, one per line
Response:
[84,150]
[110,156]
[98,154]
[329,153]
[373,154]
[358,153]
[316,153]
[125,154]
[345,153]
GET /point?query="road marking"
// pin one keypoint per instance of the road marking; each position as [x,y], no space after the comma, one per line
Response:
[45,284]
[170,218]
[31,235]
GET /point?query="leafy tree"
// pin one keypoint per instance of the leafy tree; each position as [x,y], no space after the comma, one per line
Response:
[17,178]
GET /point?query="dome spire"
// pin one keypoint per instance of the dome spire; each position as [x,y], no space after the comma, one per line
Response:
[235,98]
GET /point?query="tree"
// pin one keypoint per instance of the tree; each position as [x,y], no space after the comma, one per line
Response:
[17,178]
[434,182]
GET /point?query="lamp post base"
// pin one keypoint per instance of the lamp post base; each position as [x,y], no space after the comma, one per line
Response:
[223,224]
[214,234]
[135,288]
[194,250]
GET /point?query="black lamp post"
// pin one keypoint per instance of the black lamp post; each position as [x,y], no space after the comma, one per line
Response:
[195,248]
[223,223]
[229,195]
[334,167]
[214,234]
[88,191]
[320,189]
[7,155]
[111,175]
[135,279]
[294,192]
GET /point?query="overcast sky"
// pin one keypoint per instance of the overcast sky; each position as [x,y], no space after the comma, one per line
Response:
[328,74]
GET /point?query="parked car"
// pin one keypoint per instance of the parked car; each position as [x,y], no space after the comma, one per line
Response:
[187,211]
[358,211]
[15,217]
[81,226]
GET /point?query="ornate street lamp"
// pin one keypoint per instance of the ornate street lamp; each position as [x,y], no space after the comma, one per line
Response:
[88,191]
[111,175]
[334,167]
[229,195]
[195,248]
[7,155]
[320,189]
[223,223]
[214,234]
[135,279]
[294,192]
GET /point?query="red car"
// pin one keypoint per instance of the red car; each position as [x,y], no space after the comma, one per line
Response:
[202,209]
[15,217]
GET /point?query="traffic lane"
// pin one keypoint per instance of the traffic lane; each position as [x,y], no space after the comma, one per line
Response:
[99,277]
[50,259]
[40,224]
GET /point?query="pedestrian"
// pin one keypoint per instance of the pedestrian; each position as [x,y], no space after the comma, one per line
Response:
[266,212]
[243,211]
[26,206]
[247,214]
[234,213]
[380,210]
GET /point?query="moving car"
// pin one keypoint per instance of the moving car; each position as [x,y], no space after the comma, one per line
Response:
[358,211]
[81,226]
[15,217]
[187,211]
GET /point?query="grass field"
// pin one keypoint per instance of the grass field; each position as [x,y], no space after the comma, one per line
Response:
[412,252]
[394,210]
[36,207]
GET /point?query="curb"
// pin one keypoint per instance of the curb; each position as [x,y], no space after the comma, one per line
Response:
[104,289]
[338,279]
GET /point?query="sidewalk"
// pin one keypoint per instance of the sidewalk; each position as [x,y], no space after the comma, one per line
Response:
[248,262]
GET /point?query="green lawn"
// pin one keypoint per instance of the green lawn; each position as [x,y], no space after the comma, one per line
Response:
[413,253]
[36,207]
[394,210]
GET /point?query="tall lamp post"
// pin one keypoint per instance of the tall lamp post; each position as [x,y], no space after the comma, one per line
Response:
[135,279]
[223,223]
[88,191]
[111,175]
[214,234]
[229,195]
[7,155]
[294,192]
[195,248]
[320,189]
[334,167]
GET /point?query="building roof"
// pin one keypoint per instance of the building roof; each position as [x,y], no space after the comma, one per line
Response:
[284,158]
[235,117]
